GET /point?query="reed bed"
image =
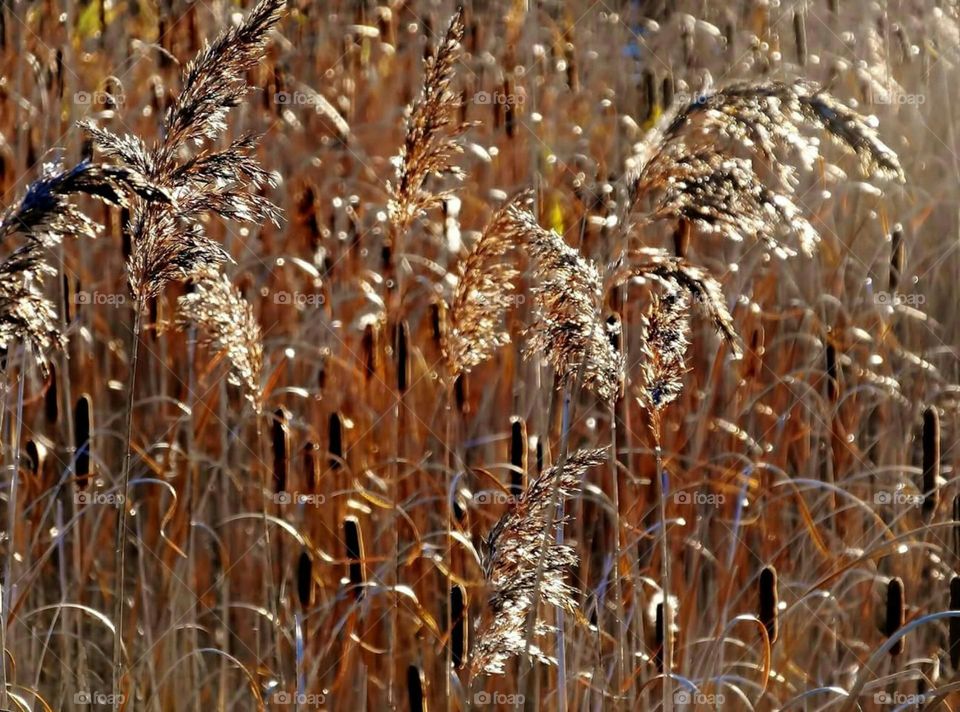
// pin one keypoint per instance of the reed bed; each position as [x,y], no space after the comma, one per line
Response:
[544,356]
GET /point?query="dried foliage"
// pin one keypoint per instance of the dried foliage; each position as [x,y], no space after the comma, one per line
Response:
[324,543]
[512,555]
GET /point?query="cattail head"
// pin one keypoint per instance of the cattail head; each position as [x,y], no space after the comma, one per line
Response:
[403,356]
[769,606]
[658,612]
[353,545]
[335,441]
[280,437]
[51,398]
[895,612]
[305,579]
[800,37]
[955,623]
[832,371]
[459,621]
[931,460]
[83,429]
[370,348]
[518,454]
[416,689]
[897,257]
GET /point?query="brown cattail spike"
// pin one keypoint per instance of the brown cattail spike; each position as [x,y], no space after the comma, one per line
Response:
[833,374]
[458,620]
[931,460]
[896,612]
[305,579]
[335,436]
[769,602]
[955,541]
[82,428]
[897,257]
[518,455]
[416,689]
[667,91]
[955,623]
[800,35]
[461,393]
[403,357]
[311,466]
[370,351]
[281,450]
[658,637]
[353,542]
[51,398]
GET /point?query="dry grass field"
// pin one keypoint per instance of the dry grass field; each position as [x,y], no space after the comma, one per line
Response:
[582,355]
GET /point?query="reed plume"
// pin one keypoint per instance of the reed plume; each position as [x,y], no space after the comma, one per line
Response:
[432,133]
[26,314]
[227,324]
[666,329]
[567,327]
[483,293]
[44,215]
[511,557]
[168,242]
[688,170]
[705,291]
